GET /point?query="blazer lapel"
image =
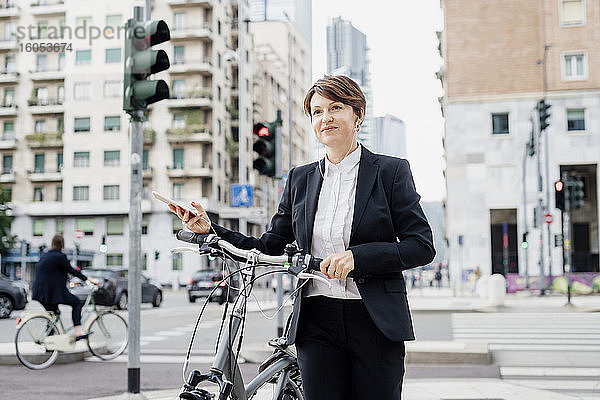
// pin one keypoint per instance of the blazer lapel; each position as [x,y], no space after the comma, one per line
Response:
[367,175]
[314,181]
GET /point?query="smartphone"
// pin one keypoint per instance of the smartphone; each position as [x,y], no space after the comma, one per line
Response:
[168,201]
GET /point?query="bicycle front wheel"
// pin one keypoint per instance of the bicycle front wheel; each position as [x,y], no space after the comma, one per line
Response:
[291,391]
[29,343]
[108,336]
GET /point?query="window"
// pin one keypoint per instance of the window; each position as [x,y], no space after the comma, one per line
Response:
[9,130]
[8,194]
[38,227]
[178,191]
[39,161]
[500,124]
[179,52]
[178,21]
[572,12]
[86,225]
[112,158]
[177,158]
[60,225]
[9,97]
[574,66]
[59,161]
[219,27]
[112,123]
[177,262]
[145,192]
[41,95]
[7,164]
[10,29]
[81,193]
[575,120]
[145,262]
[179,89]
[10,64]
[111,192]
[144,225]
[60,91]
[83,21]
[178,120]
[42,29]
[82,90]
[81,159]
[219,60]
[112,89]
[145,160]
[114,260]
[41,63]
[40,126]
[83,57]
[38,193]
[81,124]
[58,193]
[113,55]
[177,225]
[114,226]
[114,20]
[61,61]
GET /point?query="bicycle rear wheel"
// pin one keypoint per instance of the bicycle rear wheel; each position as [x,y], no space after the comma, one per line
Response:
[108,336]
[29,343]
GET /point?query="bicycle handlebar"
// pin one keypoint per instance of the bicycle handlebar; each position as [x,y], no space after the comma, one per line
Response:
[295,262]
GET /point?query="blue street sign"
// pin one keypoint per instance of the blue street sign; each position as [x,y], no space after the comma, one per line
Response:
[241,195]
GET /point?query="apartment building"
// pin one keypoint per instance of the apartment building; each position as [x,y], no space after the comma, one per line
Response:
[65,139]
[500,59]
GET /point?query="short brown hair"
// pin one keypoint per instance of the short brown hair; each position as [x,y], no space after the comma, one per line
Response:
[58,242]
[338,88]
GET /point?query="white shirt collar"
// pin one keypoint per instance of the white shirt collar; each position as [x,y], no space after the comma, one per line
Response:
[346,165]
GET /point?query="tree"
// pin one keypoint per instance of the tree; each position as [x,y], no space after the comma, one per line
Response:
[7,241]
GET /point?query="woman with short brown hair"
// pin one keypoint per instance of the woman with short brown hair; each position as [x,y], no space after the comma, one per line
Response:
[360,212]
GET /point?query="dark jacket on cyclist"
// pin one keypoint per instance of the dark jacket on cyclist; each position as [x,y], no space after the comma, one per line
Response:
[51,274]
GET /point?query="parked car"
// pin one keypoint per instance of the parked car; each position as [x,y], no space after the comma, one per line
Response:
[114,288]
[13,296]
[205,280]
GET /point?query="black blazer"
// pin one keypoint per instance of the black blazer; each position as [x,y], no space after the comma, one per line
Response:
[389,234]
[50,284]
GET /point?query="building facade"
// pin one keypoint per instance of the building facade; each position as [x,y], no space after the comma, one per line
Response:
[347,54]
[391,136]
[500,59]
[65,139]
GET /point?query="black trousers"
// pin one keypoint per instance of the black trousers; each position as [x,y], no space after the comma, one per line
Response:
[70,300]
[342,354]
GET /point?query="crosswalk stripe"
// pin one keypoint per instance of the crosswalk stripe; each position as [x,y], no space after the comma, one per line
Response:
[550,371]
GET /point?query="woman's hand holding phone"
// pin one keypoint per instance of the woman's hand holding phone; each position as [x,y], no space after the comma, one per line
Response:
[196,223]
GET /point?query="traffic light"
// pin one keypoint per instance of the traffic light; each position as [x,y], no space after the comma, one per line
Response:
[524,243]
[156,254]
[141,61]
[27,248]
[543,114]
[103,247]
[559,195]
[265,148]
[576,193]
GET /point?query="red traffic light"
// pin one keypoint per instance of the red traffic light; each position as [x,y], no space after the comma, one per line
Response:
[261,130]
[559,186]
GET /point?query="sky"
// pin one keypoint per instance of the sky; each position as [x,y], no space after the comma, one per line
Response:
[404,58]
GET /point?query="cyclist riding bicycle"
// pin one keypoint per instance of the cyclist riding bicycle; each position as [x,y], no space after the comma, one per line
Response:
[50,284]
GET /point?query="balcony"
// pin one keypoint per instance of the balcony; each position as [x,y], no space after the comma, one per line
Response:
[192,133]
[48,7]
[147,173]
[8,143]
[149,136]
[185,66]
[190,171]
[8,176]
[192,32]
[9,76]
[44,176]
[45,139]
[48,75]
[199,3]
[9,9]
[8,109]
[193,98]
[9,44]
[46,106]
[233,111]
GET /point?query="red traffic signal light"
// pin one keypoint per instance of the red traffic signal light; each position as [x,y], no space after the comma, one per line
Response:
[261,130]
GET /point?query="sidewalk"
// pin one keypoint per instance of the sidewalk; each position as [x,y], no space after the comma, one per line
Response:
[417,389]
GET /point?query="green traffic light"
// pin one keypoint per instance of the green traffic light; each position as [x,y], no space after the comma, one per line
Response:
[524,245]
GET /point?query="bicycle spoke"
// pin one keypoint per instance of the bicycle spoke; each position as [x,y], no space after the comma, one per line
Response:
[29,343]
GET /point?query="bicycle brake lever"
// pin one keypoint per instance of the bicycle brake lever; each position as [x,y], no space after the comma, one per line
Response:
[306,275]
[183,249]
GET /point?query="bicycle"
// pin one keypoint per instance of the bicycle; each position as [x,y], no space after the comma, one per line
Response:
[279,375]
[41,335]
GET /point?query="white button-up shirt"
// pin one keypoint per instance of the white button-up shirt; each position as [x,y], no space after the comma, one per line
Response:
[333,223]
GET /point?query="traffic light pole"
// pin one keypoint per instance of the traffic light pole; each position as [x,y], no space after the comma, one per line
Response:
[278,172]
[241,51]
[567,233]
[134,287]
[524,213]
[547,210]
[540,207]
